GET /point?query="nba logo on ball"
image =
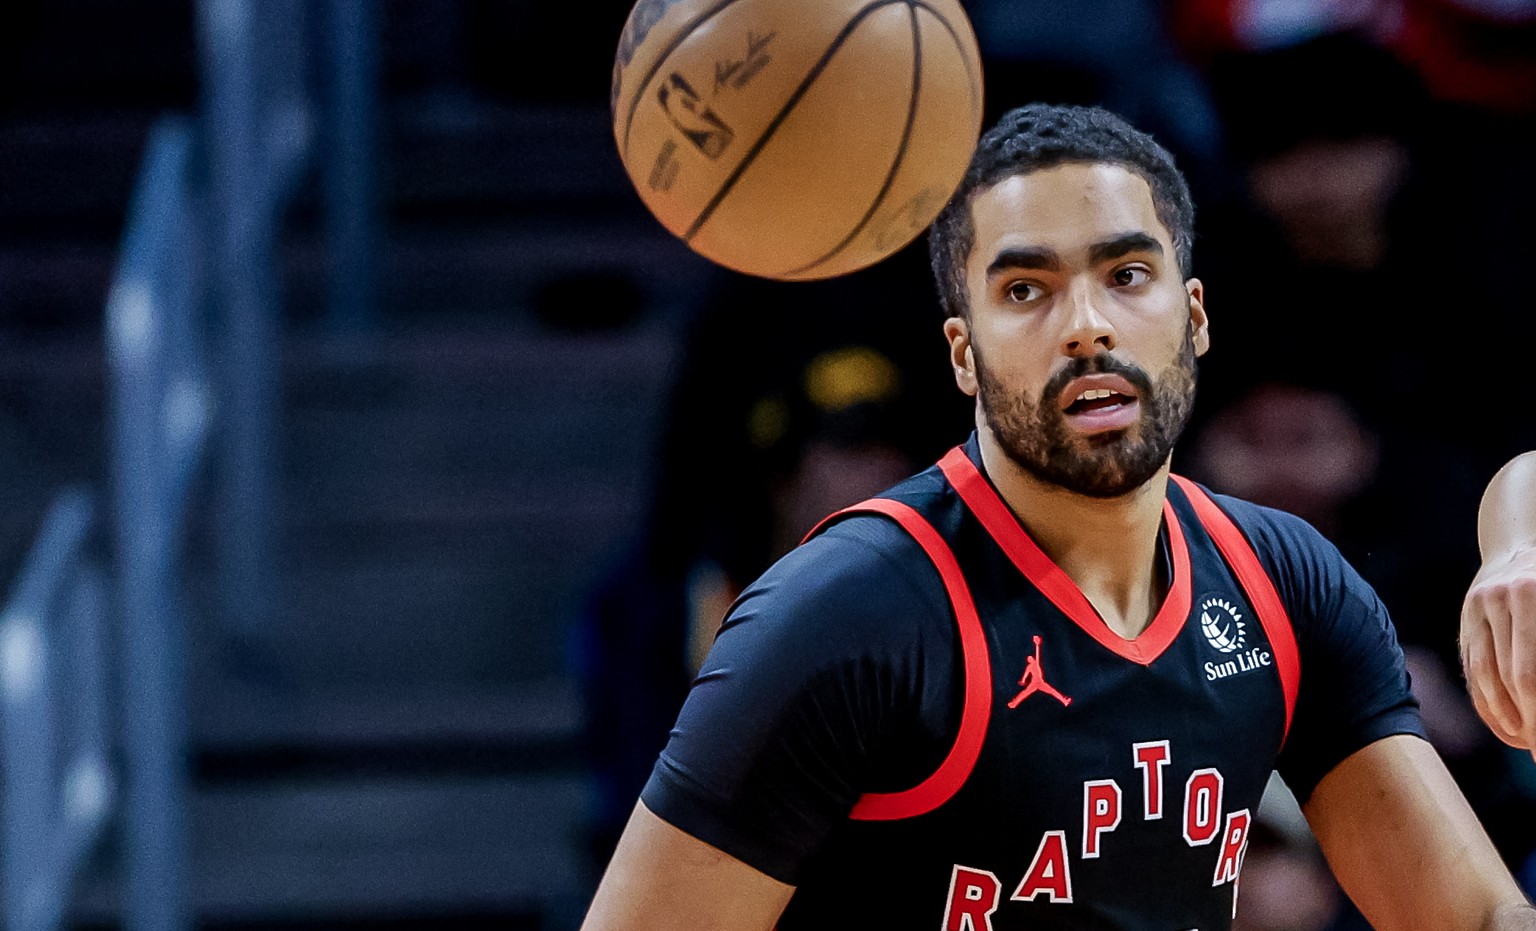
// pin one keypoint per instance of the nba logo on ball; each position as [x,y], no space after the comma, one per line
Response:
[796,139]
[693,118]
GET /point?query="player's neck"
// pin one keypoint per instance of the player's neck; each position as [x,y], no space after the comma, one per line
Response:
[1107,546]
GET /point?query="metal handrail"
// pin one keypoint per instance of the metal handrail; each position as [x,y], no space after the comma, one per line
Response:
[160,408]
[57,787]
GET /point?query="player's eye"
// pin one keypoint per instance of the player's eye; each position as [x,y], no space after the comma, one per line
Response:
[1022,292]
[1131,276]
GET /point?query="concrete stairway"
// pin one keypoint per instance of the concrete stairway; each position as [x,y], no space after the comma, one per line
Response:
[402,741]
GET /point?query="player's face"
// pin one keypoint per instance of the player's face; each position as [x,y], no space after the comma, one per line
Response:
[1082,336]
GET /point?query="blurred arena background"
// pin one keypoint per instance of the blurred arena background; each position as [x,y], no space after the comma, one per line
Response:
[373,465]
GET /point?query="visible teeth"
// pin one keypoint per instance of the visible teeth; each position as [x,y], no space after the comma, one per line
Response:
[1095,394]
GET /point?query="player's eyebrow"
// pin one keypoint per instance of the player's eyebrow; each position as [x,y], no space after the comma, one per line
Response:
[1023,258]
[1123,245]
[1039,257]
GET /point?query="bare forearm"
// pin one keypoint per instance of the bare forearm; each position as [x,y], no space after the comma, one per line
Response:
[660,877]
[1406,846]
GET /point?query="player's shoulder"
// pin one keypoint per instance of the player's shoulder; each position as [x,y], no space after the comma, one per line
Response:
[862,571]
[1304,563]
[1271,530]
[854,552]
[862,532]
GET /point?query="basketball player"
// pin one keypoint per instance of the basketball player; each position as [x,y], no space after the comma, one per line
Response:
[1043,683]
[1498,616]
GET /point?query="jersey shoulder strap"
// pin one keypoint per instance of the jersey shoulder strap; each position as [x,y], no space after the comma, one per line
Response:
[1259,587]
[945,781]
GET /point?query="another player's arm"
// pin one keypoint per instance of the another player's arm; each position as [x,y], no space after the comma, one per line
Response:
[661,877]
[1498,615]
[1406,846]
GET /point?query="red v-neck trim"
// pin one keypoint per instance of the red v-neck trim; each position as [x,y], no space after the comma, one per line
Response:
[983,500]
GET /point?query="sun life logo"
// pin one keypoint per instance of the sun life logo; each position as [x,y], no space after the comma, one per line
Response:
[1221,624]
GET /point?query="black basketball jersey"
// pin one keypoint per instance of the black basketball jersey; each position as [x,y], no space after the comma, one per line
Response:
[1090,781]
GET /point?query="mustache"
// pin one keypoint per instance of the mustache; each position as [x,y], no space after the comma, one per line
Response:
[1101,364]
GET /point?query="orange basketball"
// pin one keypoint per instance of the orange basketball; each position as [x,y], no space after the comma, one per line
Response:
[796,139]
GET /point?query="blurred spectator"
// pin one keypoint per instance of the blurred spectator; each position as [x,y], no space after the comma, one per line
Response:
[1303,450]
[1386,175]
[834,437]
[1120,54]
[1310,269]
[1477,58]
[1475,54]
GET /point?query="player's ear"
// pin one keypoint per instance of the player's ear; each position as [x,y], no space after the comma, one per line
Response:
[958,332]
[1199,323]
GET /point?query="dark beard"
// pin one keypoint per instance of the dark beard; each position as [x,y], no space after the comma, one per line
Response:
[1106,465]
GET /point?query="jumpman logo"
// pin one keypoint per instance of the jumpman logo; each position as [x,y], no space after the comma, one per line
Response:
[1033,681]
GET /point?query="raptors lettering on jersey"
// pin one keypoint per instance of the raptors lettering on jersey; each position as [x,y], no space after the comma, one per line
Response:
[975,893]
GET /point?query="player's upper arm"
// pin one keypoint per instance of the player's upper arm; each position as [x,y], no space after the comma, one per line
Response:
[1354,678]
[661,877]
[830,677]
[1406,846]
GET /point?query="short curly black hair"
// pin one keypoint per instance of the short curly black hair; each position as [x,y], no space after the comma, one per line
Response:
[1039,136]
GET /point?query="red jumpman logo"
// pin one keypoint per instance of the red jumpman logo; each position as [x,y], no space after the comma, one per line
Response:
[1034,681]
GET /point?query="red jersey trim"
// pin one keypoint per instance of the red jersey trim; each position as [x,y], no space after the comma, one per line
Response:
[1261,591]
[1056,585]
[945,781]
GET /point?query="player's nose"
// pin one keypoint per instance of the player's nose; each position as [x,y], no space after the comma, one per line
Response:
[1086,329]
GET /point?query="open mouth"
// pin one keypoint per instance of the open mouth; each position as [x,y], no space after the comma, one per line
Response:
[1097,399]
[1099,403]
